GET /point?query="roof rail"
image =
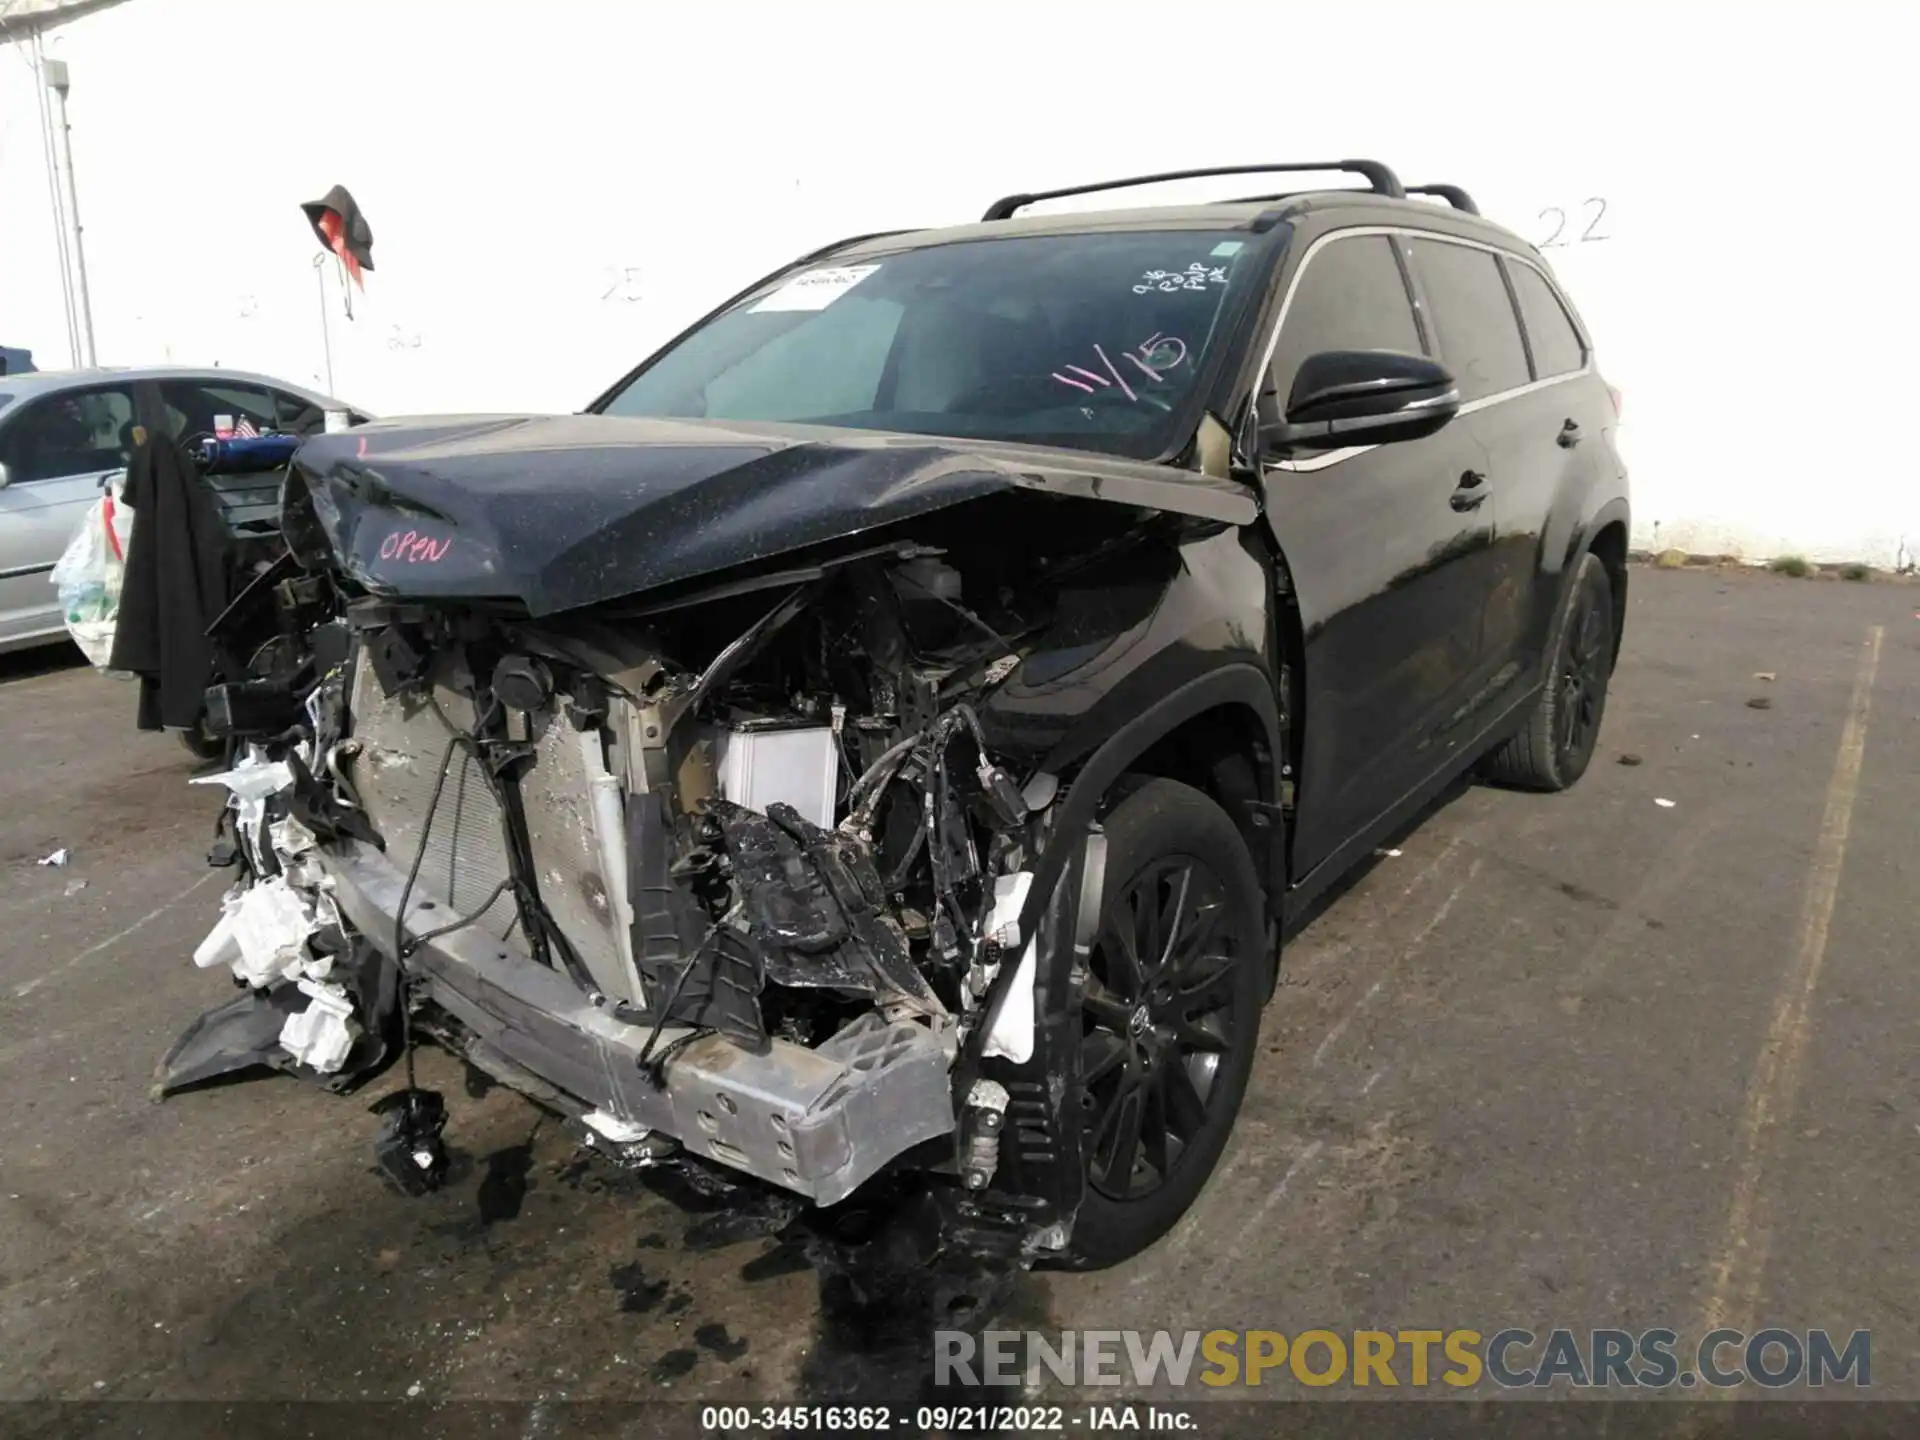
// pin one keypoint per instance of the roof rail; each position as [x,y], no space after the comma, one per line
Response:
[1379,178]
[1452,194]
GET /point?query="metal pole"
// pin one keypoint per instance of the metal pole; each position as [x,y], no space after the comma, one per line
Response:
[326,338]
[57,80]
[51,158]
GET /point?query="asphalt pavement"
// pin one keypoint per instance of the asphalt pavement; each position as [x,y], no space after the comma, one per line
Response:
[1641,1055]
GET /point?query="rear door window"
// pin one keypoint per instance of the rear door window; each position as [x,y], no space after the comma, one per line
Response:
[1478,333]
[1557,349]
[77,432]
[1350,295]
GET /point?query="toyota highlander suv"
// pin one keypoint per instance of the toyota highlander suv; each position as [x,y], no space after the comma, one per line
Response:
[877,748]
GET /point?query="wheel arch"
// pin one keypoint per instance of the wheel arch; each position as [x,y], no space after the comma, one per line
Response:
[1221,732]
[1608,544]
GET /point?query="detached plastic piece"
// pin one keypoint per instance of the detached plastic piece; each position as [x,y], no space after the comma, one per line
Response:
[269,924]
[408,1149]
[321,1035]
[221,947]
[242,1034]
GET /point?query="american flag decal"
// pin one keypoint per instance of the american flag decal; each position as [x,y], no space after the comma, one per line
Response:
[244,430]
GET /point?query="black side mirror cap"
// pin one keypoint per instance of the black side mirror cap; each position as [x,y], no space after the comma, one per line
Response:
[1362,397]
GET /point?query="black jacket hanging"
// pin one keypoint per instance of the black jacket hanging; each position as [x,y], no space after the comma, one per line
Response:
[175,585]
[341,228]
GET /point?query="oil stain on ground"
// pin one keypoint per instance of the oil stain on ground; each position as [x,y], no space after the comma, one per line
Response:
[716,1339]
[504,1185]
[637,1291]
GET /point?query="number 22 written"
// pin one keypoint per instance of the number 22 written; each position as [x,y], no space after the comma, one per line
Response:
[1590,232]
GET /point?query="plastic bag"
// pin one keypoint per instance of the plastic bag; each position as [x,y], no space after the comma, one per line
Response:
[89,574]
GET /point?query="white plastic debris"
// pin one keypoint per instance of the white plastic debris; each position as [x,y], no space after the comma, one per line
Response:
[323,1033]
[271,923]
[1389,854]
[221,947]
[74,887]
[621,1132]
[1010,1032]
[1665,804]
[58,857]
[251,782]
[290,837]
[254,778]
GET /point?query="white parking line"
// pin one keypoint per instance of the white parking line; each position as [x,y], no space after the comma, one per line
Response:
[113,939]
[1407,952]
[1735,1291]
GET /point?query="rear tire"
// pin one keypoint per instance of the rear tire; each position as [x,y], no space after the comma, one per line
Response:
[1554,747]
[1170,1016]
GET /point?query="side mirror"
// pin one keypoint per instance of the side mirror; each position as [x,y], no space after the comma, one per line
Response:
[1362,397]
[6,478]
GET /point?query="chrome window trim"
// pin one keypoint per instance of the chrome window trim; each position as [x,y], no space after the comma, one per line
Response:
[1403,232]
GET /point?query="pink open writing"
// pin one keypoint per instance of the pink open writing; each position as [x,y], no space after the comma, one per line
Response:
[413,548]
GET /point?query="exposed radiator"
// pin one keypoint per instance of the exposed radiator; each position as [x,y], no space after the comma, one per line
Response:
[402,739]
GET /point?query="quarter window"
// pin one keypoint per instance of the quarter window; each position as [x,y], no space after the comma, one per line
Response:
[297,416]
[191,407]
[1556,344]
[1350,295]
[1473,314]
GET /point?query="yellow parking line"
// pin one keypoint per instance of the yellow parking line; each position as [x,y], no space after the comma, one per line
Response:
[1776,1074]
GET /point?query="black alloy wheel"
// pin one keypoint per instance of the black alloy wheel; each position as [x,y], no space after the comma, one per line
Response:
[1169,1016]
[1584,666]
[1158,1015]
[1553,747]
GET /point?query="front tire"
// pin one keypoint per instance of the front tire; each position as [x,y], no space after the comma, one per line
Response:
[1170,1016]
[1554,747]
[201,743]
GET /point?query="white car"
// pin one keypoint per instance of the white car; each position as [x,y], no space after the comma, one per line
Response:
[62,432]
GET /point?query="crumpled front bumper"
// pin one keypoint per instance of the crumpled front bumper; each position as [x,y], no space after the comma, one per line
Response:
[820,1122]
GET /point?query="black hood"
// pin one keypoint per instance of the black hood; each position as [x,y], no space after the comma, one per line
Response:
[564,511]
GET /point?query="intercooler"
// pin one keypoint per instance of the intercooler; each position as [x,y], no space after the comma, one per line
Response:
[403,739]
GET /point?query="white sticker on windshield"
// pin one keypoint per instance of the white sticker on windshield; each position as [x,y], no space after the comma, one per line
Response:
[815,289]
[1226,248]
[1195,277]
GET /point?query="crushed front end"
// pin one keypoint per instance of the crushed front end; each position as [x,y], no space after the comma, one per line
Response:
[752,874]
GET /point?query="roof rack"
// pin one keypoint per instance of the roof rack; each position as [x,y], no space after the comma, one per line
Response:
[1452,194]
[1379,178]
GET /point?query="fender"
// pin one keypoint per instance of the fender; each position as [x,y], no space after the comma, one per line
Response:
[1581,541]
[1234,683]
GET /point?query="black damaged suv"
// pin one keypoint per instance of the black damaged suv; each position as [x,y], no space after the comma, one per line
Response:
[876,750]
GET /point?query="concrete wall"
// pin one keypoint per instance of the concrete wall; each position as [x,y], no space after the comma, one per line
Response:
[552,198]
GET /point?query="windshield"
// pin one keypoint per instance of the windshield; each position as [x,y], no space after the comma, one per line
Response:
[1092,341]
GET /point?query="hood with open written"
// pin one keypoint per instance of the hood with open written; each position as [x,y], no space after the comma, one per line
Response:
[559,512]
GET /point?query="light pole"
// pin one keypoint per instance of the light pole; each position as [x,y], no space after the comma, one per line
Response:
[56,71]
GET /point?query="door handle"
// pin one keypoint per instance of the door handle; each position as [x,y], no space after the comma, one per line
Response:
[1471,492]
[1569,435]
